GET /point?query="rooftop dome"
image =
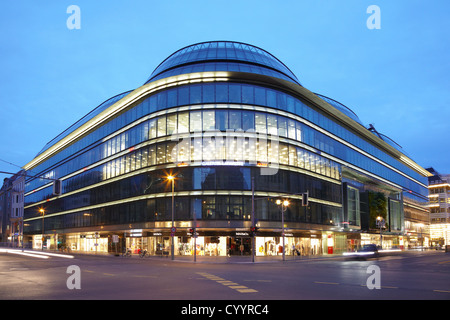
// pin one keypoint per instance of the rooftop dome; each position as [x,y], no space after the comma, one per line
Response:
[341,107]
[220,55]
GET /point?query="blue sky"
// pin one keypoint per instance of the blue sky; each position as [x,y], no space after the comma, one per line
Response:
[395,77]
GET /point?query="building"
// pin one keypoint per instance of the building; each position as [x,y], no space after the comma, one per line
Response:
[11,209]
[241,135]
[439,189]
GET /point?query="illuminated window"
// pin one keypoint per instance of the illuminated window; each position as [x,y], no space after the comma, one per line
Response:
[272,127]
[196,121]
[162,126]
[152,129]
[183,122]
[260,123]
[208,120]
[171,123]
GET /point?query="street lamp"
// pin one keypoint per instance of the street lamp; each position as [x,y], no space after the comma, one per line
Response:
[172,231]
[43,237]
[380,223]
[284,205]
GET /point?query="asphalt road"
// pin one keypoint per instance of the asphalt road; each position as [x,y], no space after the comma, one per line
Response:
[412,276]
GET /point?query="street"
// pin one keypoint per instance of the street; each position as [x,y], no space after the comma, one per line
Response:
[409,276]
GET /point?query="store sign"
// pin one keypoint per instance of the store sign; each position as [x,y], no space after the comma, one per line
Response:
[135,233]
[242,234]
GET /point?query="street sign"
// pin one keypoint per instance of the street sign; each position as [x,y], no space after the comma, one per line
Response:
[173,230]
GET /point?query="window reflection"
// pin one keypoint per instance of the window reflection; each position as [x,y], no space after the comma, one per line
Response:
[196,121]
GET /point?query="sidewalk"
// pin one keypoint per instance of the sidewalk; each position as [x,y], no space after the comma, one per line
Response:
[234,259]
[246,259]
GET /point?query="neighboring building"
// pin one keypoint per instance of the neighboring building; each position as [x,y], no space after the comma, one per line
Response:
[11,209]
[222,117]
[439,189]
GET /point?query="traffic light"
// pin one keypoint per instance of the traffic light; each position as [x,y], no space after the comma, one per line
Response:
[254,230]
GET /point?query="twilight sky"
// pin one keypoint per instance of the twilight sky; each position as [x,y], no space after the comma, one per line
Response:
[395,77]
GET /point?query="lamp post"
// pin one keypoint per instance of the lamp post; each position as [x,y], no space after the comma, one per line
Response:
[284,205]
[172,233]
[43,237]
[380,223]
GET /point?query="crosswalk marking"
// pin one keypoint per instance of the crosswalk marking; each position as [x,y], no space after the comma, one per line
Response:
[228,283]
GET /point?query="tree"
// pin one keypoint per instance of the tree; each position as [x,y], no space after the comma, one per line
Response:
[377,208]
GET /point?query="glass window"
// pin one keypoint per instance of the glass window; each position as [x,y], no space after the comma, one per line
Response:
[204,178]
[152,129]
[260,122]
[271,98]
[161,100]
[161,126]
[290,104]
[208,120]
[171,156]
[183,122]
[273,151]
[282,126]
[195,94]
[196,121]
[250,150]
[208,93]
[293,156]
[220,148]
[298,129]
[221,92]
[291,129]
[209,146]
[161,153]
[138,159]
[284,153]
[248,120]
[183,95]
[235,120]
[281,101]
[172,98]
[171,123]
[132,162]
[260,96]
[261,150]
[353,210]
[144,157]
[247,94]
[221,120]
[235,93]
[183,150]
[272,127]
[196,149]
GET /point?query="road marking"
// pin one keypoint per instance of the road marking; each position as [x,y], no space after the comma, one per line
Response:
[443,262]
[445,291]
[320,282]
[247,290]
[382,287]
[228,283]
[108,274]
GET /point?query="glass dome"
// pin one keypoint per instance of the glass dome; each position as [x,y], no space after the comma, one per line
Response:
[343,108]
[224,51]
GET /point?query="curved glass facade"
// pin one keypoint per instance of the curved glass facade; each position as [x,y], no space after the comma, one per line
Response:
[216,137]
[223,51]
